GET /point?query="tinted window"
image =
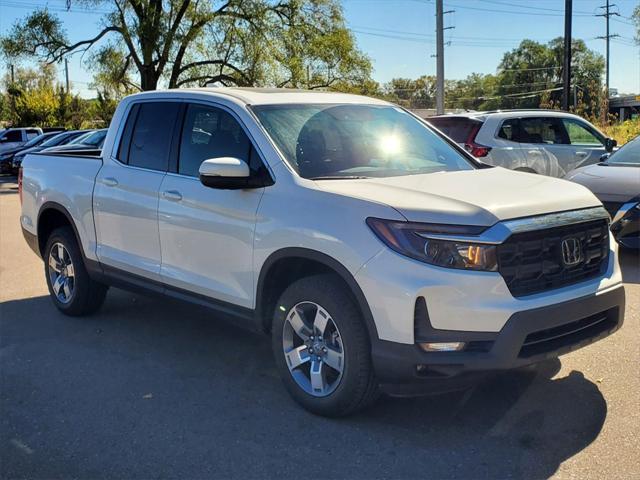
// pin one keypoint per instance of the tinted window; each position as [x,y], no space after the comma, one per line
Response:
[460,130]
[579,134]
[210,133]
[12,136]
[534,130]
[152,133]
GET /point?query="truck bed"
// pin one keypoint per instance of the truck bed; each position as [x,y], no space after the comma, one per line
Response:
[66,179]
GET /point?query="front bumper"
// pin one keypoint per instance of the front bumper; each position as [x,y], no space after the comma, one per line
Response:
[528,337]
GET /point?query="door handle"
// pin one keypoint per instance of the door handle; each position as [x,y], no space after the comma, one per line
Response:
[110,181]
[172,195]
[581,154]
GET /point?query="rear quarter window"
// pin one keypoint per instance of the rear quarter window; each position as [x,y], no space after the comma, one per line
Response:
[460,130]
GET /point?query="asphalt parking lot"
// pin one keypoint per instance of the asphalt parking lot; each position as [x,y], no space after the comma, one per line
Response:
[151,388]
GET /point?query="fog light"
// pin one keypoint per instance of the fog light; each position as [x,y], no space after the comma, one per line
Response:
[442,346]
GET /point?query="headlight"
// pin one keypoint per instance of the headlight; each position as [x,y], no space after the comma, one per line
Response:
[412,240]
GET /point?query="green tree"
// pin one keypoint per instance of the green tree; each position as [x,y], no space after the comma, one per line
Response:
[419,93]
[533,71]
[190,42]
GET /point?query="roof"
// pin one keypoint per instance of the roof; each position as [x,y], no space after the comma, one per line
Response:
[512,114]
[271,96]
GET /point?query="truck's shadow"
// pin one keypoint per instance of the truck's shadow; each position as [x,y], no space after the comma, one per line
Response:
[630,265]
[150,388]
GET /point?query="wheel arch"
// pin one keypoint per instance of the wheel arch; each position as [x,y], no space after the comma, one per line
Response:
[52,215]
[286,265]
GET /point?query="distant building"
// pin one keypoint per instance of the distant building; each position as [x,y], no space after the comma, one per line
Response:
[625,107]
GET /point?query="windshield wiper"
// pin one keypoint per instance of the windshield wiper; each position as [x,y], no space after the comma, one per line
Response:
[338,177]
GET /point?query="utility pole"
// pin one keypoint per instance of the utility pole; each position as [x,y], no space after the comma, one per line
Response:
[566,70]
[66,74]
[608,14]
[13,98]
[440,55]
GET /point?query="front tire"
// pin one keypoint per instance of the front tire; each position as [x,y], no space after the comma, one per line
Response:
[71,288]
[321,347]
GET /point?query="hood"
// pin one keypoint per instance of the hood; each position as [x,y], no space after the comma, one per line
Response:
[470,197]
[609,182]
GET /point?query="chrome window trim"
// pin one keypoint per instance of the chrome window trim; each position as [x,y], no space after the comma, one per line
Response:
[499,232]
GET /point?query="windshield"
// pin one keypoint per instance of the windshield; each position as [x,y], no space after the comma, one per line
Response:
[629,153]
[340,141]
[81,137]
[36,140]
[55,140]
[94,139]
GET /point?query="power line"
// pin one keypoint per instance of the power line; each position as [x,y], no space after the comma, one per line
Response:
[607,15]
[518,5]
[515,12]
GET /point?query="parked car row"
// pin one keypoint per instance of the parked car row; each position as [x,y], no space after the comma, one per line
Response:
[11,158]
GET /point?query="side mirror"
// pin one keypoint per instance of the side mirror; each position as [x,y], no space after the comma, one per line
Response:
[609,144]
[604,157]
[225,173]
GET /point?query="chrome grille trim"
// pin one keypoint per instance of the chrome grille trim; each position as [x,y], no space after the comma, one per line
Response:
[499,232]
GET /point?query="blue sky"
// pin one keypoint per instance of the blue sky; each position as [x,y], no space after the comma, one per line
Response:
[398,35]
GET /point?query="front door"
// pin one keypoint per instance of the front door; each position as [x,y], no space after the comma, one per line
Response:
[206,234]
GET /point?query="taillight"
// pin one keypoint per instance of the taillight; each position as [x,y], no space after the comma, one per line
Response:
[477,150]
[20,184]
[474,148]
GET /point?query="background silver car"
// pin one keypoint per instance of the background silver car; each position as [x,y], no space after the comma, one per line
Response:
[548,142]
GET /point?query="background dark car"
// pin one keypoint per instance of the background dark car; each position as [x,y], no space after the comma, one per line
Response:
[56,139]
[6,158]
[616,182]
[92,140]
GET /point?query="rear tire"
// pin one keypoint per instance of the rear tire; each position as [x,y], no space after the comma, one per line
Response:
[321,347]
[71,288]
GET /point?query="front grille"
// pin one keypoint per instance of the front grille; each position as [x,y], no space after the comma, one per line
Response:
[569,334]
[532,262]
[612,207]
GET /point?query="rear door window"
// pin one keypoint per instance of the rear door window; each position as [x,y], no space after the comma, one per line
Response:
[152,134]
[537,130]
[460,130]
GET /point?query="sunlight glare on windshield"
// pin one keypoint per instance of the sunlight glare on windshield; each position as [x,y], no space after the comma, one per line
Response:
[390,144]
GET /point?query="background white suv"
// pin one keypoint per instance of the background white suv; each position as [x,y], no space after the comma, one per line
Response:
[548,142]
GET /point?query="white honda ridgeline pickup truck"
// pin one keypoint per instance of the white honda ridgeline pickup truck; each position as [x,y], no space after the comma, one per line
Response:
[377,253]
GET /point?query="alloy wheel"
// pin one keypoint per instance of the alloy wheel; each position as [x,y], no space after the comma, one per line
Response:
[313,349]
[61,273]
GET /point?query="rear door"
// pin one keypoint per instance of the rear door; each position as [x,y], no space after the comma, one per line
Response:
[126,191]
[206,234]
[534,136]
